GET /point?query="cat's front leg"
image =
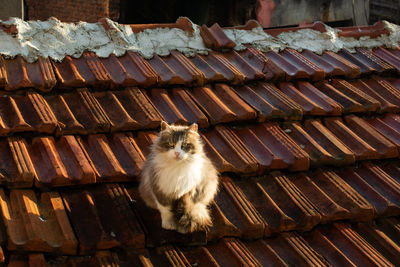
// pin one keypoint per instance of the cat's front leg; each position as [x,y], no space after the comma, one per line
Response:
[167,217]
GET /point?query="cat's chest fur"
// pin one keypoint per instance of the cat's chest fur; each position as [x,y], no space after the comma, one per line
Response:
[177,178]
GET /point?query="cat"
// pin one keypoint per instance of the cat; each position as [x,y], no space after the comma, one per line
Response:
[179,180]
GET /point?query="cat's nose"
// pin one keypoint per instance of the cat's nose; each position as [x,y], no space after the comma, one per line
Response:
[176,154]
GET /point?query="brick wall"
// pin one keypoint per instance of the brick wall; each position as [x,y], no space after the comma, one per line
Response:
[73,10]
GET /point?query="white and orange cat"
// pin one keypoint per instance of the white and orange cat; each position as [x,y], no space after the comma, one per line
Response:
[179,180]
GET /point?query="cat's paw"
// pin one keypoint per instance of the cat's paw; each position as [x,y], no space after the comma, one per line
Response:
[201,216]
[168,224]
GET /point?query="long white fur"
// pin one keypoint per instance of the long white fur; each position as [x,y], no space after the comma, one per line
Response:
[178,176]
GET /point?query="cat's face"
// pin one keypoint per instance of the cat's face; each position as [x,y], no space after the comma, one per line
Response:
[178,142]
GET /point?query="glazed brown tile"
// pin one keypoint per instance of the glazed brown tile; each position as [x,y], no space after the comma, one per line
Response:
[11,118]
[60,163]
[249,72]
[302,63]
[228,152]
[211,74]
[353,246]
[36,112]
[128,153]
[215,38]
[103,159]
[183,68]
[199,256]
[16,166]
[262,63]
[166,75]
[364,68]
[390,226]
[221,225]
[19,74]
[329,68]
[388,57]
[264,253]
[326,206]
[295,250]
[139,108]
[274,216]
[290,201]
[221,65]
[270,102]
[381,242]
[361,149]
[266,159]
[350,70]
[327,249]
[37,224]
[144,140]
[382,91]
[366,56]
[238,210]
[382,145]
[85,109]
[331,143]
[221,104]
[173,256]
[343,194]
[372,31]
[386,129]
[356,94]
[85,71]
[348,104]
[308,106]
[176,106]
[291,71]
[92,236]
[383,184]
[283,147]
[151,222]
[378,201]
[129,70]
[67,123]
[119,118]
[317,153]
[232,252]
[330,106]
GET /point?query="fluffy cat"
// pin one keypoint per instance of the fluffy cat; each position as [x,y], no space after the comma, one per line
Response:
[178,179]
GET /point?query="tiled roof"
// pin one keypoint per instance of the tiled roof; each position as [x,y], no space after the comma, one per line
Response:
[307,146]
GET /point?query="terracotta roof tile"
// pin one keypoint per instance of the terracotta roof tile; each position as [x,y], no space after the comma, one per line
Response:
[130,70]
[37,224]
[77,144]
[260,62]
[270,102]
[221,104]
[17,169]
[215,38]
[387,56]
[60,163]
[372,137]
[176,106]
[19,74]
[338,153]
[102,218]
[343,194]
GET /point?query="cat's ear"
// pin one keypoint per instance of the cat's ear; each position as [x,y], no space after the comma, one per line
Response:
[164,126]
[194,127]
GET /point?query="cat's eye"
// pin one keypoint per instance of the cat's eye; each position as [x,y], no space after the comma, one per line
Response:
[186,146]
[170,145]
